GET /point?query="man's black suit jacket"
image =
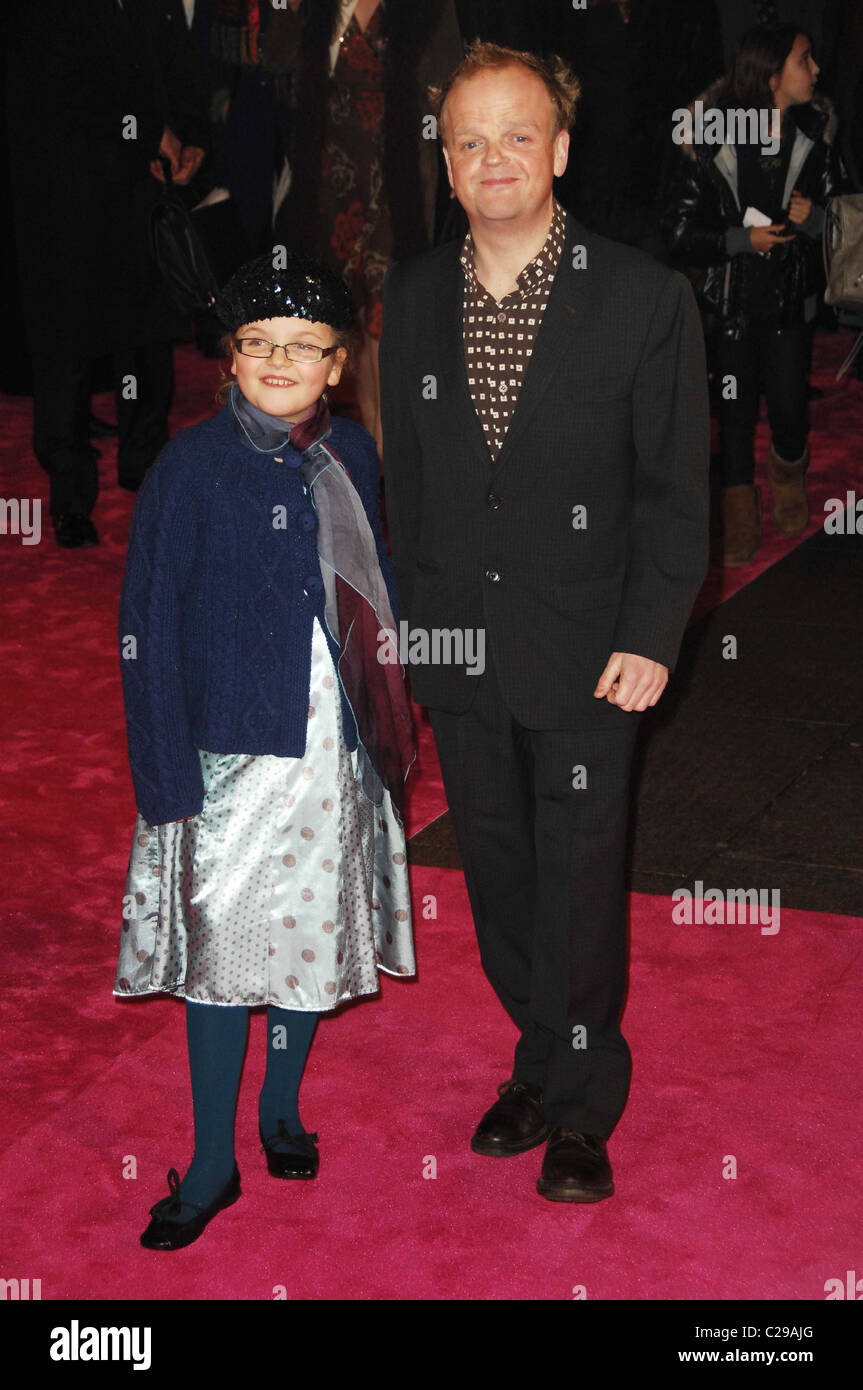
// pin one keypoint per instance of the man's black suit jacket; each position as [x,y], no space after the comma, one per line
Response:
[612,417]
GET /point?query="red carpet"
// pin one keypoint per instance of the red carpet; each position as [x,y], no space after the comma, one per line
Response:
[744,1045]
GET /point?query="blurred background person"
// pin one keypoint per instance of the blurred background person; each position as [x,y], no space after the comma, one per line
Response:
[365,180]
[96,92]
[758,292]
[637,61]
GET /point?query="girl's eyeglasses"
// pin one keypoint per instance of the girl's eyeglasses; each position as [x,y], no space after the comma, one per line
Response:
[294,352]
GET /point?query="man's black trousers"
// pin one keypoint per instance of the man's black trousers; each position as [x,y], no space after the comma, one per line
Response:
[541,819]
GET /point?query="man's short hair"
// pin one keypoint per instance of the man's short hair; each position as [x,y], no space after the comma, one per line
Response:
[561,83]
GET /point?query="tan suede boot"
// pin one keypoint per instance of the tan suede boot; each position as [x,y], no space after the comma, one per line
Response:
[741,523]
[790,510]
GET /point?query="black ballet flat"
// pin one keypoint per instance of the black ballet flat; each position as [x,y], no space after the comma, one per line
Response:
[301,1161]
[166,1232]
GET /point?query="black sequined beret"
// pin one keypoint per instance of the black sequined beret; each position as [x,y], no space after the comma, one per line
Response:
[304,289]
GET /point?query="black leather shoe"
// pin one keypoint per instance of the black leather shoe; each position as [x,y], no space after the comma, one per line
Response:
[514,1124]
[295,1156]
[167,1232]
[73,530]
[575,1168]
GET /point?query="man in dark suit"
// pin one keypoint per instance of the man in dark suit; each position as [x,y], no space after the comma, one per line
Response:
[546,451]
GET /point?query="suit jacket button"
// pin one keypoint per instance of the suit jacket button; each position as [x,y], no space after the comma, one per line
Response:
[493,576]
[493,501]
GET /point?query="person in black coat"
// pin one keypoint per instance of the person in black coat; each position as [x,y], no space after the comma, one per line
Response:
[573,543]
[759,288]
[96,92]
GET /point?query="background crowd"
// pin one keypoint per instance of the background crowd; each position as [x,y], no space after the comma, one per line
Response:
[304,124]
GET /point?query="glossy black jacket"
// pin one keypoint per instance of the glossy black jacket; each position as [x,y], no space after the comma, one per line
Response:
[702,205]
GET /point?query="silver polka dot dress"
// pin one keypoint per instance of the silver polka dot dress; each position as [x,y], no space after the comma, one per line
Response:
[289,888]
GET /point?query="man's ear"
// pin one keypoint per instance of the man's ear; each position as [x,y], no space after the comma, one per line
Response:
[561,151]
[448,163]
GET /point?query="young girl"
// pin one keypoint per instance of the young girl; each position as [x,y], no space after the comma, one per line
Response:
[759,294]
[268,743]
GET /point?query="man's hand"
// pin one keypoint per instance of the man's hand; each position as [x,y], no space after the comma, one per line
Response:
[800,209]
[631,682]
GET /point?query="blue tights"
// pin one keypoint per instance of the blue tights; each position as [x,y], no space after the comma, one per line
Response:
[216,1035]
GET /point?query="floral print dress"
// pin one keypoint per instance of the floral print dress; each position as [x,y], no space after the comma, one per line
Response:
[353,199]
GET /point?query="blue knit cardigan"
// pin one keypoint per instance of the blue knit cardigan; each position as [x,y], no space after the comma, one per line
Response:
[221,586]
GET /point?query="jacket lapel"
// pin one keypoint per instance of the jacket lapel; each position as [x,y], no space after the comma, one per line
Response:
[573,301]
[449,338]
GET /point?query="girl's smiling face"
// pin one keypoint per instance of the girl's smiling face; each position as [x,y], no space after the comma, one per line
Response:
[282,388]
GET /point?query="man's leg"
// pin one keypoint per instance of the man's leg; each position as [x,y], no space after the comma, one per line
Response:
[486,764]
[579,936]
[61,403]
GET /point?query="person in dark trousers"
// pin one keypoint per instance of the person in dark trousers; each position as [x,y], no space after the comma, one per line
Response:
[546,447]
[96,92]
[759,287]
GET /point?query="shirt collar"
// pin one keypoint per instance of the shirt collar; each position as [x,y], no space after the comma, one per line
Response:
[544,263]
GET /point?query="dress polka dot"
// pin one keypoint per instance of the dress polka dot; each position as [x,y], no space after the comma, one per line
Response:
[303,912]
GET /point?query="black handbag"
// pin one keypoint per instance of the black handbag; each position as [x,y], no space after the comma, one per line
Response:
[179,252]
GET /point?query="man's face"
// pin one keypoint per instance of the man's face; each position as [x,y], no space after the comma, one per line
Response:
[500,154]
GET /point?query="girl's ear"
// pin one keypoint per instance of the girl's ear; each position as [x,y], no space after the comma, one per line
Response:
[336,369]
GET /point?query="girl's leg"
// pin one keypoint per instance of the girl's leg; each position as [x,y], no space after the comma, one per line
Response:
[785,376]
[216,1036]
[737,369]
[738,377]
[289,1037]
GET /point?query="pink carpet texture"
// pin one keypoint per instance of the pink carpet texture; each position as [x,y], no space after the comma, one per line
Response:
[735,1160]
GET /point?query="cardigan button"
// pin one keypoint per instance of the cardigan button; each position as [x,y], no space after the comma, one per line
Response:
[307,521]
[314,584]
[493,501]
[493,576]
